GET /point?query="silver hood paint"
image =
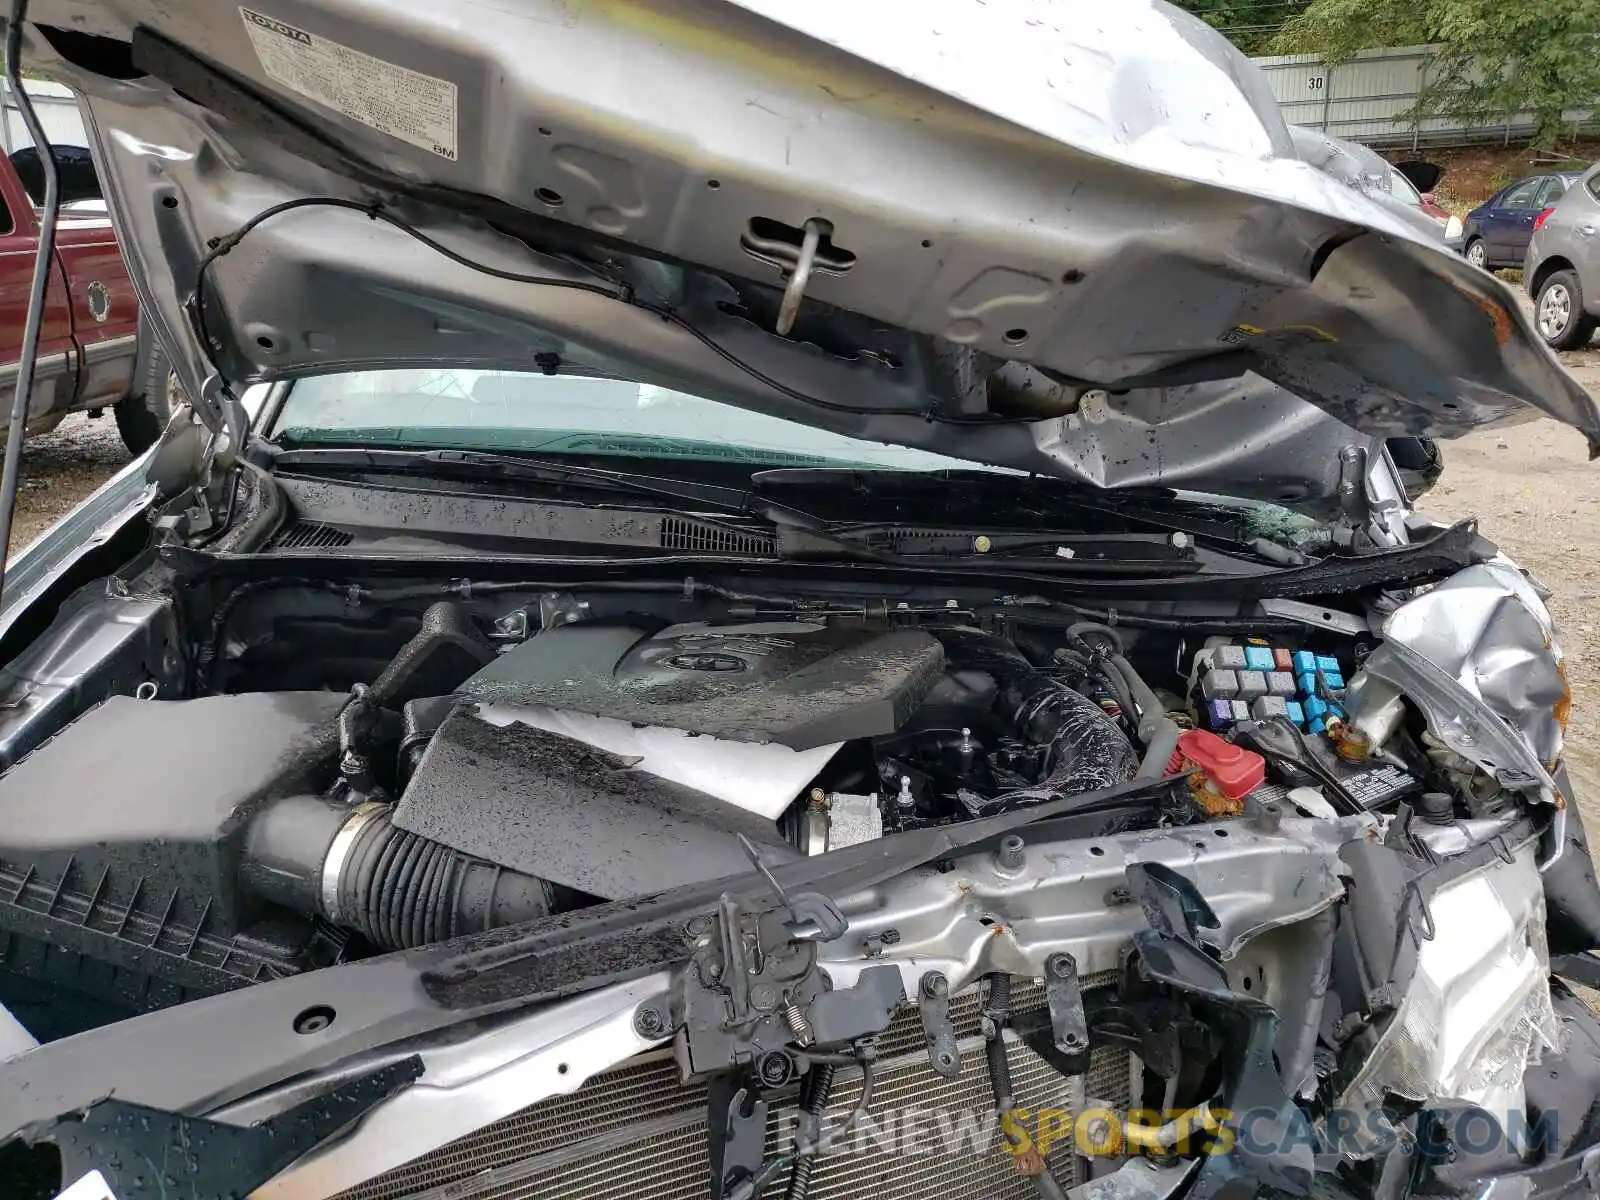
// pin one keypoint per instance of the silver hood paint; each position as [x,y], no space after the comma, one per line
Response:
[1088,214]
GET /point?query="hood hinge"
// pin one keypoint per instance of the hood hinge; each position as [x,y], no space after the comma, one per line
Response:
[195,463]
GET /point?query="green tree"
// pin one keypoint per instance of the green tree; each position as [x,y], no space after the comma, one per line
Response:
[1249,24]
[1495,56]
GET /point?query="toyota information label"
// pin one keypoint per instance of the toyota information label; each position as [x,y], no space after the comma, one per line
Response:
[416,108]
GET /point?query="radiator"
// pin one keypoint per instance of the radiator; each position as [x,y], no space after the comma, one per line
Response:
[636,1133]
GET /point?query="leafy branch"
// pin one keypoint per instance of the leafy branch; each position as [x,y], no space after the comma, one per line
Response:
[1493,57]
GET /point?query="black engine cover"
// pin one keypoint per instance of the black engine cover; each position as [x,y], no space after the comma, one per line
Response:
[794,683]
[558,809]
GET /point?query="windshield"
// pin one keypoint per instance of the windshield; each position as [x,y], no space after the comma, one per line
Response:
[565,414]
[1401,187]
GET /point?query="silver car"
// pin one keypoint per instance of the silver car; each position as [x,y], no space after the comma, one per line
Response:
[1562,270]
[759,598]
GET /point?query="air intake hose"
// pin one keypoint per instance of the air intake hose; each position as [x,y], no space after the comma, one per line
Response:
[1087,751]
[398,889]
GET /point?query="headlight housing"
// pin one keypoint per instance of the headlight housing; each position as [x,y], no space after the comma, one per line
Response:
[1453,228]
[1478,1010]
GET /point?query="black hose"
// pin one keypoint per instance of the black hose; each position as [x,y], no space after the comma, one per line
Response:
[402,890]
[1075,633]
[1150,711]
[1158,732]
[998,1012]
[752,1187]
[819,1087]
[398,889]
[1117,684]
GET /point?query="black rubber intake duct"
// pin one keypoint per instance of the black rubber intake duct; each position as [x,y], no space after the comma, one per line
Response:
[397,889]
[1087,749]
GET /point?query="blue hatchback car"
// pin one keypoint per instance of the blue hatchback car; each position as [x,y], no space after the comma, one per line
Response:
[1499,229]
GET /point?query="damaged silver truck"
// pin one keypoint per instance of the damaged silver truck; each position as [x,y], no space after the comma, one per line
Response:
[761,599]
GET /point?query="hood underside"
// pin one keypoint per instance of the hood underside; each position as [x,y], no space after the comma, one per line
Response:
[1076,242]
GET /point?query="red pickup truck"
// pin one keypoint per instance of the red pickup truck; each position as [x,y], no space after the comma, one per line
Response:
[94,352]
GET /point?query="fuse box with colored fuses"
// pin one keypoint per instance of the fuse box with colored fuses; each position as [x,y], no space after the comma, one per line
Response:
[1259,682]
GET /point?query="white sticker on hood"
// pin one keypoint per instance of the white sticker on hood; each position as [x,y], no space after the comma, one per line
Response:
[416,108]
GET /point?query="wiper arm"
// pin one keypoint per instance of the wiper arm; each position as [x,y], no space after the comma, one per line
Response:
[1152,515]
[482,464]
[887,481]
[1079,554]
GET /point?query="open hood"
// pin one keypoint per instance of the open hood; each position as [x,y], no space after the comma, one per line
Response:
[1075,240]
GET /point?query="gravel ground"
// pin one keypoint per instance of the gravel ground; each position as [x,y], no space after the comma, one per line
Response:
[61,468]
[1537,496]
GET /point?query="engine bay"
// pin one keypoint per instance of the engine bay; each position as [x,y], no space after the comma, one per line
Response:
[1206,821]
[342,770]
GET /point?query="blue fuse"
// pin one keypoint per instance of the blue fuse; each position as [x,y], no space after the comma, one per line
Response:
[1219,713]
[1259,658]
[1328,663]
[1318,725]
[1307,682]
[1295,712]
[1303,661]
[1316,709]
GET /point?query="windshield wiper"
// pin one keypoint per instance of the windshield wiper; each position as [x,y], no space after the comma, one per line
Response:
[1044,551]
[479,464]
[1013,507]
[1157,509]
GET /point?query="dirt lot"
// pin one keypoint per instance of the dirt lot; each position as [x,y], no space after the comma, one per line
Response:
[61,468]
[1536,495]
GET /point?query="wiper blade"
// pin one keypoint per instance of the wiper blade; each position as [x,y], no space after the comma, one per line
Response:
[1145,517]
[1099,554]
[887,481]
[907,540]
[482,464]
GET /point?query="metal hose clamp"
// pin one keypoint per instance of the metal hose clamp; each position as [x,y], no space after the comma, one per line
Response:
[339,853]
